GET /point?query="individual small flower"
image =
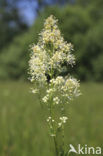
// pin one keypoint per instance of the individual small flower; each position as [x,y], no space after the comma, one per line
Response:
[59,124]
[57,81]
[63,119]
[53,120]
[50,91]
[53,135]
[34,91]
[45,99]
[49,118]
[56,100]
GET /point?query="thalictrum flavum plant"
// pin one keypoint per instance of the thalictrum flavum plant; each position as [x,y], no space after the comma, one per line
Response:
[46,65]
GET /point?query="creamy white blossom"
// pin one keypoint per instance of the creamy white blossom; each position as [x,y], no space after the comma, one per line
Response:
[45,99]
[63,119]
[56,100]
[49,118]
[34,91]
[45,68]
[50,52]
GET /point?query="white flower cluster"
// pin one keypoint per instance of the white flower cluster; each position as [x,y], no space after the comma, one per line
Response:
[46,62]
[38,64]
[62,121]
[62,88]
[50,52]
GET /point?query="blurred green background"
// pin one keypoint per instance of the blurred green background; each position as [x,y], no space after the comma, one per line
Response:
[23,130]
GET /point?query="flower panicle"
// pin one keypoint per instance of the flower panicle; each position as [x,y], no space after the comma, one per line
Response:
[50,52]
[45,67]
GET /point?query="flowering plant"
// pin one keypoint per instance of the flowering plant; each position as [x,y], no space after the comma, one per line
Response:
[45,67]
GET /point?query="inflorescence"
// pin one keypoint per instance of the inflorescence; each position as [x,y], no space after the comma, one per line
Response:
[45,67]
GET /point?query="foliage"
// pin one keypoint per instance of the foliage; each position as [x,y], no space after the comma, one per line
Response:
[82,27]
[11,23]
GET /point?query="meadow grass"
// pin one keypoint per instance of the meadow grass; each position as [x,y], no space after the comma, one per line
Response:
[23,130]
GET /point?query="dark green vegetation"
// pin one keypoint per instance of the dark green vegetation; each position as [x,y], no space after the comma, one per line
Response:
[23,129]
[11,23]
[81,23]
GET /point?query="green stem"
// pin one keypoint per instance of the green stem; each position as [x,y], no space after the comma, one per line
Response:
[63,143]
[63,139]
[56,148]
[53,130]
